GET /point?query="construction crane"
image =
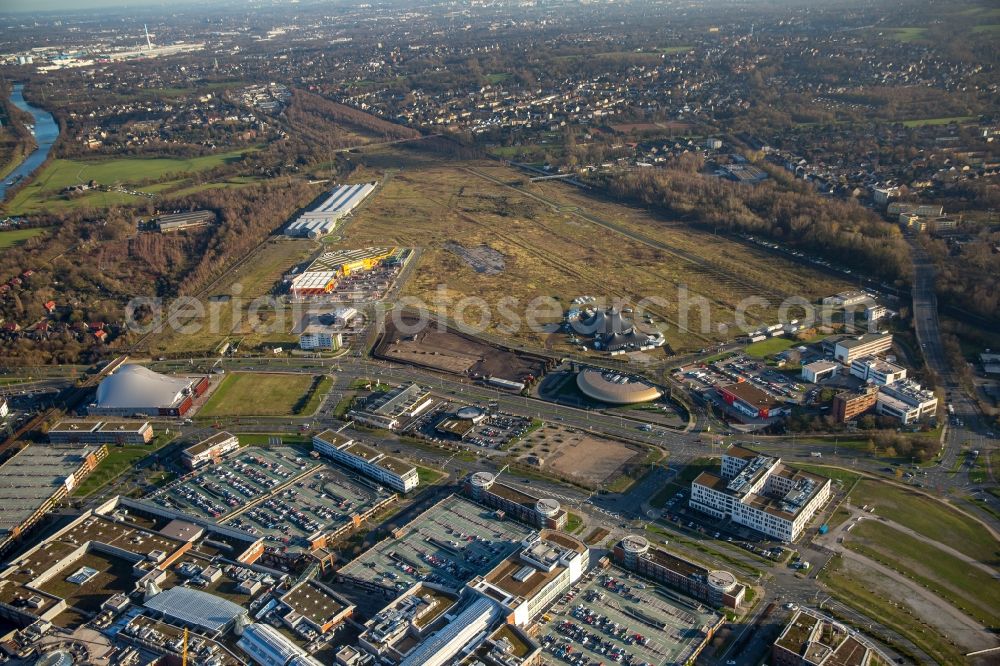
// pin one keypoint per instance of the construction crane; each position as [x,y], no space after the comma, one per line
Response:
[184,649]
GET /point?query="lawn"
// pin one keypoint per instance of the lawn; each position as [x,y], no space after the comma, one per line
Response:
[770,347]
[45,188]
[921,122]
[933,519]
[18,236]
[428,476]
[118,460]
[574,523]
[966,587]
[257,394]
[859,595]
[907,34]
[310,402]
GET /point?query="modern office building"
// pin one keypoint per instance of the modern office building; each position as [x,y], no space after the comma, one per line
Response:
[817,371]
[850,349]
[384,469]
[388,410]
[847,299]
[82,431]
[320,337]
[877,371]
[906,401]
[482,487]
[546,565]
[209,449]
[811,639]
[760,492]
[715,587]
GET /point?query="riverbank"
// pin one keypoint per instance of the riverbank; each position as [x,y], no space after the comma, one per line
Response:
[46,131]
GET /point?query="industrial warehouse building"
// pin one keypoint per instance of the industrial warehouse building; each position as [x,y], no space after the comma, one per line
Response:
[718,588]
[137,391]
[760,492]
[327,270]
[614,387]
[751,401]
[181,221]
[384,469]
[483,487]
[323,219]
[74,431]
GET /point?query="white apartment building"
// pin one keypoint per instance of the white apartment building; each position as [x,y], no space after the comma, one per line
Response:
[760,492]
[849,350]
[384,469]
[877,371]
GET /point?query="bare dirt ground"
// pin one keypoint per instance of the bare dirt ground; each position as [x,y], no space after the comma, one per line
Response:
[575,454]
[451,352]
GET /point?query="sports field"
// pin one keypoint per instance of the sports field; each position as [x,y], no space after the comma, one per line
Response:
[257,394]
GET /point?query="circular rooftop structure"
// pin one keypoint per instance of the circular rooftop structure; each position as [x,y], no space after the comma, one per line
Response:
[547,507]
[615,388]
[633,544]
[723,581]
[482,480]
[470,413]
[57,658]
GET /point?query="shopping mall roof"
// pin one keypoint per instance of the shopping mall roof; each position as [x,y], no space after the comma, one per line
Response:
[196,608]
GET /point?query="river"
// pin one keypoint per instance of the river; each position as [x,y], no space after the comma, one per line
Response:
[46,133]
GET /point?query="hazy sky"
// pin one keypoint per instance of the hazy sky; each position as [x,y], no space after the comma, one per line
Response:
[62,5]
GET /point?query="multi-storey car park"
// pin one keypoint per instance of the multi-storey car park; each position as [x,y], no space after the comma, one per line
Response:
[614,616]
[450,543]
[280,494]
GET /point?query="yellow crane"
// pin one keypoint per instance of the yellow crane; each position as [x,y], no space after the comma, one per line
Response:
[184,650]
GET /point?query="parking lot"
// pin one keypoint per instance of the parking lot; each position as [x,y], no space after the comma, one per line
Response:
[450,543]
[615,617]
[778,385]
[293,496]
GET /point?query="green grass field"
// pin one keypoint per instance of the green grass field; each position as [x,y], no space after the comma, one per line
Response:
[44,190]
[257,394]
[770,347]
[933,519]
[17,236]
[966,587]
[921,122]
[907,34]
[428,476]
[118,460]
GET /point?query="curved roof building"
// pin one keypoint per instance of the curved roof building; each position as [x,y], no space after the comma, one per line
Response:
[615,388]
[135,390]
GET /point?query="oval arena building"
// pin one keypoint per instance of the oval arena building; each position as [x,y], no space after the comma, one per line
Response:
[615,388]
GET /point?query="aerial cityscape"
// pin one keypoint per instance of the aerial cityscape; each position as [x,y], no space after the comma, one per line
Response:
[500,333]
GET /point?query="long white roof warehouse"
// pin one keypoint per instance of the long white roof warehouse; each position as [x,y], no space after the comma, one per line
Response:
[323,219]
